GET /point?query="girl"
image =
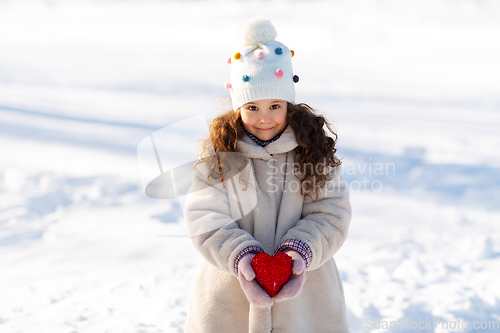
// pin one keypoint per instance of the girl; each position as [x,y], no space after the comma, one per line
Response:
[268,182]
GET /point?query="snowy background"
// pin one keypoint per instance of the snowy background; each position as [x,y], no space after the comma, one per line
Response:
[413,88]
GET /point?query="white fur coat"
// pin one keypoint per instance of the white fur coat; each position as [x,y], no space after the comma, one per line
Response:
[217,303]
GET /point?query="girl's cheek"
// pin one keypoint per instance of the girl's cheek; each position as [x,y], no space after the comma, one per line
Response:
[283,119]
[245,119]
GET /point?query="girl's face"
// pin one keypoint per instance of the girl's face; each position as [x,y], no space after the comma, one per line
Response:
[265,118]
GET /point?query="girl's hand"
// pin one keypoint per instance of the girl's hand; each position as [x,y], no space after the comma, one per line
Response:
[254,292]
[293,287]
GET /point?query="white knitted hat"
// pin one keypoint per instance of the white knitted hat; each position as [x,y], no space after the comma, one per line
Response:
[262,67]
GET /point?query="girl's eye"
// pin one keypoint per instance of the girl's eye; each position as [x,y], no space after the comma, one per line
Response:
[252,108]
[275,106]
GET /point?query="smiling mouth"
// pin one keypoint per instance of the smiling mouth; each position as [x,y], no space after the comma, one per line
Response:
[265,129]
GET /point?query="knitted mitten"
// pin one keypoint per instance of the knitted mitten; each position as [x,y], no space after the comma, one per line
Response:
[293,287]
[254,292]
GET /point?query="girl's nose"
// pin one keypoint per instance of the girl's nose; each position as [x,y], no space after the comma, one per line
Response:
[265,118]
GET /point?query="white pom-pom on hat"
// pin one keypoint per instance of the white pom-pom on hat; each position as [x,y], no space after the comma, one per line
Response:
[257,30]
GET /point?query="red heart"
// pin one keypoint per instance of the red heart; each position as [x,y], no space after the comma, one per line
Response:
[272,272]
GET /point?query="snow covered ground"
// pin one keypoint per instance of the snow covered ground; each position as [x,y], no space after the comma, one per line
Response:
[412,87]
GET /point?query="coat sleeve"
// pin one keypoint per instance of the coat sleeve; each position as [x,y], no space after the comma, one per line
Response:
[323,227]
[214,233]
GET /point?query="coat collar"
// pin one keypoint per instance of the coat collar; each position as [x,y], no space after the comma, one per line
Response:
[284,144]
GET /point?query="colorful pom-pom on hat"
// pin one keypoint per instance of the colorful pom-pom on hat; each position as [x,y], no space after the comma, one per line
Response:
[263,69]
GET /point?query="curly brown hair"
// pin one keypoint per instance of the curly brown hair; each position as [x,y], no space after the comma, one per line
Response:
[315,153]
